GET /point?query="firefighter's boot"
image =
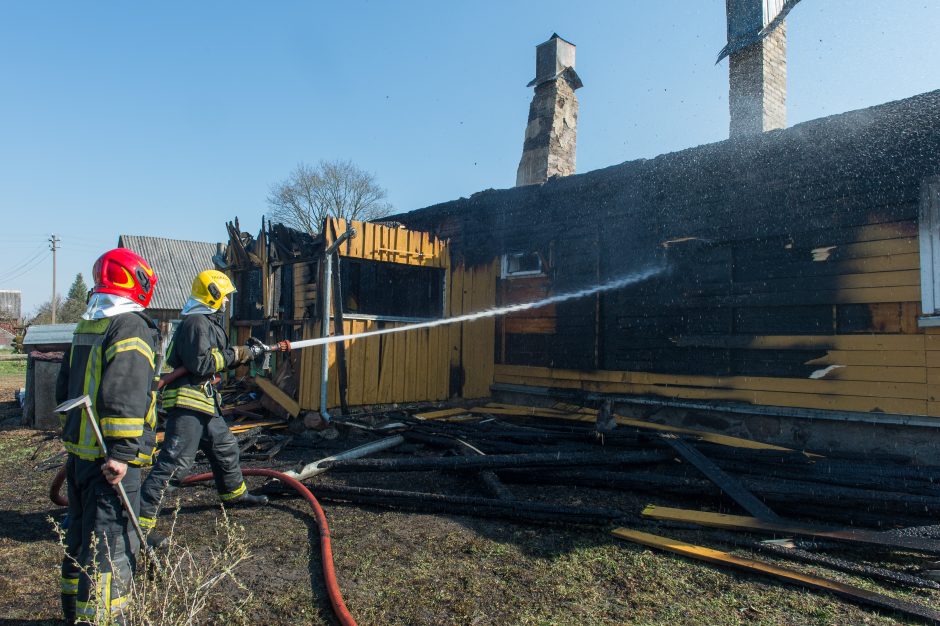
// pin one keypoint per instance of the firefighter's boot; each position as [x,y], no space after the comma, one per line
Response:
[248,499]
[69,609]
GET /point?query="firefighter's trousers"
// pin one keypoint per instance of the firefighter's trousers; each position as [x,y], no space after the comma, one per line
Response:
[186,433]
[100,544]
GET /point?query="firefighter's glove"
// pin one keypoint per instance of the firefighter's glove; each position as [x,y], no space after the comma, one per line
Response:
[243,354]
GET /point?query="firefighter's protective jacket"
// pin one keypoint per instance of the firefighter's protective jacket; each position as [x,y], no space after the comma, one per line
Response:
[201,346]
[112,361]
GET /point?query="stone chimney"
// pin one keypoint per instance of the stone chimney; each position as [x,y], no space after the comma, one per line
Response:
[757,68]
[551,134]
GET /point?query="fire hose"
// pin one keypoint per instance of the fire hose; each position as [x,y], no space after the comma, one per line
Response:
[326,549]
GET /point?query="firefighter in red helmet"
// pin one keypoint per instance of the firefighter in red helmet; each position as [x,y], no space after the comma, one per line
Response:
[111,359]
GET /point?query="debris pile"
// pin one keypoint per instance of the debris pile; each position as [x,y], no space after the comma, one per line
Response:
[817,510]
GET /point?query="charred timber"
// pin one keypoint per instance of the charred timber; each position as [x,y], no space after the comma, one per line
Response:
[837,467]
[794,501]
[494,461]
[820,475]
[859,569]
[727,483]
[472,506]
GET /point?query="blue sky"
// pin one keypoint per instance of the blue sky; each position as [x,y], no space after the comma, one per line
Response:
[170,118]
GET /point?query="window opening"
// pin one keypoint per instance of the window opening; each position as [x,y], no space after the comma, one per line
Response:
[521,264]
[391,290]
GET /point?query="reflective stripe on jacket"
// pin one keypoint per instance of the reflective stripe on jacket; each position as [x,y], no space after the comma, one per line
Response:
[112,361]
[201,345]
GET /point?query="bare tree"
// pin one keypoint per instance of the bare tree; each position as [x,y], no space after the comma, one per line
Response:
[331,189]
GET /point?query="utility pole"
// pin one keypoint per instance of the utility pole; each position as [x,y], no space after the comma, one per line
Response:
[53,245]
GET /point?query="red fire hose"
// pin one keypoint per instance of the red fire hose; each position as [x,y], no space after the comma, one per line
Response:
[55,489]
[326,549]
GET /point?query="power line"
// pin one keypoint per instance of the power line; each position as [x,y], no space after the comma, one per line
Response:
[7,274]
[25,270]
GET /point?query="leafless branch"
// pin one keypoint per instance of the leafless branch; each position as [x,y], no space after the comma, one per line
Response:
[331,189]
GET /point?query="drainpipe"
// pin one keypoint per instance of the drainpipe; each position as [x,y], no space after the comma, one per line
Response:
[325,317]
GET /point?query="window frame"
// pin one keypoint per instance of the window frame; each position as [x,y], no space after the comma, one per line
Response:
[504,265]
[929,239]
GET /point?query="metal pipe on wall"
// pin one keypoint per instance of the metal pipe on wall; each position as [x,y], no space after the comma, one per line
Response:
[327,280]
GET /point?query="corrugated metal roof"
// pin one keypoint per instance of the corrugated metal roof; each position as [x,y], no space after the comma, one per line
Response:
[49,334]
[176,263]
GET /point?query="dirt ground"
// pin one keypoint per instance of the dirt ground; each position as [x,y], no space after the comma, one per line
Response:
[405,568]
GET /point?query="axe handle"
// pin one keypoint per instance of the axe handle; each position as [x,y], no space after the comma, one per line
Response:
[118,487]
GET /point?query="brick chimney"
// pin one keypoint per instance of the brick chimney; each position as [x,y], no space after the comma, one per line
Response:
[757,68]
[551,134]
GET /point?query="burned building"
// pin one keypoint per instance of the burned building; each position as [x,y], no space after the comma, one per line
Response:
[797,281]
[384,277]
[799,271]
[795,287]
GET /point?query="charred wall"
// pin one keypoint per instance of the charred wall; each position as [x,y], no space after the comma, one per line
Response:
[807,231]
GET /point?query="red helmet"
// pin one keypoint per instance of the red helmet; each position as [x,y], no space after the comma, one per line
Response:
[123,272]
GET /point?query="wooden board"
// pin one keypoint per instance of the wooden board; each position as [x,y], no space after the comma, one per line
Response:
[857,387]
[901,278]
[434,415]
[878,358]
[908,406]
[791,527]
[272,391]
[410,372]
[455,331]
[355,363]
[843,590]
[400,367]
[387,372]
[390,244]
[421,366]
[723,440]
[807,342]
[372,368]
[819,296]
[479,336]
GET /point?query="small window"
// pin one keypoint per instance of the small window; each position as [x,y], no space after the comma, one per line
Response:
[929,233]
[521,264]
[391,290]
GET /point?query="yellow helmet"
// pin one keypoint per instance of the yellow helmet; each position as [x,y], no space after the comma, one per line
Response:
[211,286]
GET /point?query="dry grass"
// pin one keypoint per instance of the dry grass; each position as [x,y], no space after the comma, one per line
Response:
[183,584]
[404,568]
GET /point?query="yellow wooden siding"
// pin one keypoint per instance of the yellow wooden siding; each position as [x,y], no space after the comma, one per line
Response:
[883,397]
[932,359]
[892,373]
[478,353]
[895,367]
[375,242]
[895,372]
[414,365]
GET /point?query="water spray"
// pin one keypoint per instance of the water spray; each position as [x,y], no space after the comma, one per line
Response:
[610,285]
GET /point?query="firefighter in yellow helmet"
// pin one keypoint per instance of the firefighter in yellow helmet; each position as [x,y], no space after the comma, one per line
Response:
[194,421]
